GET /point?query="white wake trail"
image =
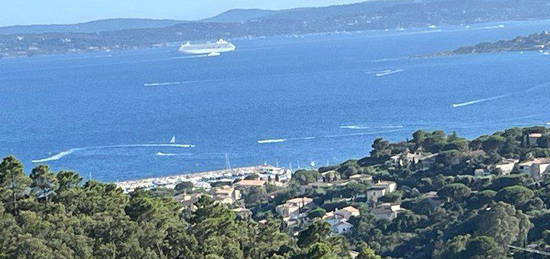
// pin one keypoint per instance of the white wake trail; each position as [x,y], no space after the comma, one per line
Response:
[456,105]
[72,150]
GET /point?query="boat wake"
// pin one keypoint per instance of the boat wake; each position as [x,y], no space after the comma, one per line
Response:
[387,72]
[267,141]
[72,150]
[178,83]
[479,101]
[271,141]
[172,154]
[356,127]
[456,105]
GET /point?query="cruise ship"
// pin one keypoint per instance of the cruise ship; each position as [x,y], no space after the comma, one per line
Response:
[210,48]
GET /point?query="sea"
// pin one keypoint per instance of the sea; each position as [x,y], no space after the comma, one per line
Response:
[291,101]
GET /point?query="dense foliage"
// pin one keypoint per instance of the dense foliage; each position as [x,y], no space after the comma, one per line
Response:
[448,212]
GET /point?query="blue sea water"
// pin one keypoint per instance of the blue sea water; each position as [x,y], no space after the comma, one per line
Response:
[289,101]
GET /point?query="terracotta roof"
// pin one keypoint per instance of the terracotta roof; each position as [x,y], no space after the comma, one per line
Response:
[251,183]
[300,199]
[543,160]
[350,209]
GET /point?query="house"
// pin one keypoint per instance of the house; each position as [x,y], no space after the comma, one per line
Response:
[300,202]
[275,175]
[291,209]
[375,192]
[417,158]
[387,211]
[243,213]
[226,195]
[389,185]
[342,227]
[188,200]
[506,166]
[250,183]
[338,219]
[536,168]
[534,139]
[348,212]
[361,177]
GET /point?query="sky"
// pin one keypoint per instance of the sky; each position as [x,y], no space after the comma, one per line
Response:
[24,12]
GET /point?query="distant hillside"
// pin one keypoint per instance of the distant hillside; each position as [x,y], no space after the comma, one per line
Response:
[533,42]
[239,15]
[371,15]
[90,27]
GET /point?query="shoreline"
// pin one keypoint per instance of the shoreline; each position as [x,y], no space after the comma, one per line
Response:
[198,178]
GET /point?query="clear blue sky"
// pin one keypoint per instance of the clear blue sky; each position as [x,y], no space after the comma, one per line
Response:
[20,12]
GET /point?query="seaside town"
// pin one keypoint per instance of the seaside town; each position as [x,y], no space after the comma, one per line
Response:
[356,192]
[436,186]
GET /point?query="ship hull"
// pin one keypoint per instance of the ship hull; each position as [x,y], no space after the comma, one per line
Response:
[207,48]
[206,51]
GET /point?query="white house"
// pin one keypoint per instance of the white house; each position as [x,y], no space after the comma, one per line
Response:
[226,195]
[347,212]
[338,219]
[506,166]
[380,189]
[387,211]
[536,168]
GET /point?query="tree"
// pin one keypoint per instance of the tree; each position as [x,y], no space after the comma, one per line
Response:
[503,223]
[354,189]
[316,213]
[380,148]
[44,182]
[316,232]
[67,180]
[304,177]
[482,247]
[320,250]
[505,181]
[493,143]
[13,183]
[367,253]
[455,191]
[515,195]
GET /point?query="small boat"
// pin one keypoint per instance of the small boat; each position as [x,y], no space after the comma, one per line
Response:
[173,140]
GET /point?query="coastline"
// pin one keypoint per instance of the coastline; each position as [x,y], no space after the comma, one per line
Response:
[200,178]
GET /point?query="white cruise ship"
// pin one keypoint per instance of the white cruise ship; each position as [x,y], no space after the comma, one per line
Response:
[211,48]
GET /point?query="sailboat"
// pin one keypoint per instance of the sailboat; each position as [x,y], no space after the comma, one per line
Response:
[173,140]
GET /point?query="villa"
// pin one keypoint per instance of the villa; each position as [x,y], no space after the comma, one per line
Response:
[536,168]
[387,211]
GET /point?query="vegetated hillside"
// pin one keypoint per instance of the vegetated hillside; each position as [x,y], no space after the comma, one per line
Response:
[533,42]
[240,15]
[354,17]
[440,208]
[90,27]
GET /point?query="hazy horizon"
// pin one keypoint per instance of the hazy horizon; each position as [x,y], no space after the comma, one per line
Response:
[40,12]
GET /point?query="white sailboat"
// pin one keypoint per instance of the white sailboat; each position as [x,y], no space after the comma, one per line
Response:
[173,140]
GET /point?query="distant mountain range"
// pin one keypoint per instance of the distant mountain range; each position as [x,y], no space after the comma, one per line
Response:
[90,27]
[383,14]
[534,42]
[240,15]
